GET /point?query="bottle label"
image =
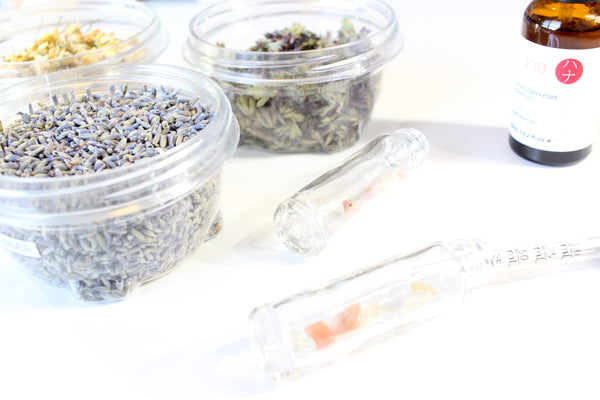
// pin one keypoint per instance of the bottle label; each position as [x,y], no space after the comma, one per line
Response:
[555,104]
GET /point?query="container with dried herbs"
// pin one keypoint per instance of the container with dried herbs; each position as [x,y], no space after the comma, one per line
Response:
[65,34]
[71,41]
[299,88]
[110,177]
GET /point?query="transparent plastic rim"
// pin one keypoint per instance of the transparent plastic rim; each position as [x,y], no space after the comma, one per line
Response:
[338,62]
[153,30]
[204,154]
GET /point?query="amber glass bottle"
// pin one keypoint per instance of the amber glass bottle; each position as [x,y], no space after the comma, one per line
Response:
[556,111]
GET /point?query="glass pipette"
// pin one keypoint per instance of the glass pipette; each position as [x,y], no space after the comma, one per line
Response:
[317,326]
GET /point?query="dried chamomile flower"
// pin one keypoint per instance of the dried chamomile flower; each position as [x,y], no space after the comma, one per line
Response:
[70,42]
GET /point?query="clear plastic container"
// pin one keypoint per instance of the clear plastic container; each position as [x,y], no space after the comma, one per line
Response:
[103,234]
[139,29]
[296,101]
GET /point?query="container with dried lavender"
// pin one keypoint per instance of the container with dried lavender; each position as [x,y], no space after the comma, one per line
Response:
[61,34]
[302,76]
[110,175]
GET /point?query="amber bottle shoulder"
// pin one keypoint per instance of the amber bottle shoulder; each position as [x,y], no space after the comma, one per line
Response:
[563,25]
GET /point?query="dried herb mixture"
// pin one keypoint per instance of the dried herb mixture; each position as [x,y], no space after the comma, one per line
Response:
[298,38]
[323,116]
[71,41]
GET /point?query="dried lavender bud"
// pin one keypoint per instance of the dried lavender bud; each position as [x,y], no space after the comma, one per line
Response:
[305,117]
[99,132]
[109,257]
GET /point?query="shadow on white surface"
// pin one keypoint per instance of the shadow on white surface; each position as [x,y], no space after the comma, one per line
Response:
[262,245]
[255,152]
[226,370]
[450,141]
[231,370]
[19,292]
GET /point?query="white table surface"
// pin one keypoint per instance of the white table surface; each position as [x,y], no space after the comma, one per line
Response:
[184,336]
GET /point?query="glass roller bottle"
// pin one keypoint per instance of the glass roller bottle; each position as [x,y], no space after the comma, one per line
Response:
[320,325]
[307,220]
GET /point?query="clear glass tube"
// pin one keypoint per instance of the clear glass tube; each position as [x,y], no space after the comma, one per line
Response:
[320,325]
[306,221]
[530,261]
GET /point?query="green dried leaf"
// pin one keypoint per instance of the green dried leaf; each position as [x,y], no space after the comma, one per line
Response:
[260,91]
[262,101]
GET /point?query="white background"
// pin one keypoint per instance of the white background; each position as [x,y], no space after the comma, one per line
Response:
[184,336]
